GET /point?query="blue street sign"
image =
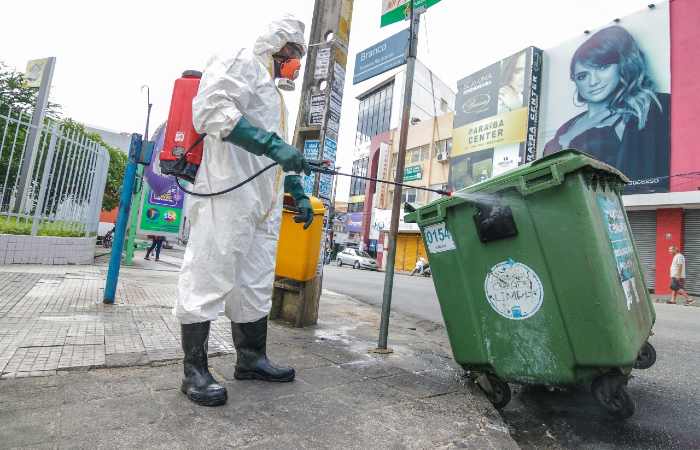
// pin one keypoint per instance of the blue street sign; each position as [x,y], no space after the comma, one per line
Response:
[379,58]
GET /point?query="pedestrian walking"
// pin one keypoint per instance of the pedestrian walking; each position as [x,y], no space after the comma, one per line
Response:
[157,243]
[678,276]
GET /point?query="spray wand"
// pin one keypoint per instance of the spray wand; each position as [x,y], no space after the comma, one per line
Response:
[317,165]
[324,166]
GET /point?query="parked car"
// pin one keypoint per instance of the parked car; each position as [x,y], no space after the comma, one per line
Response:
[357,259]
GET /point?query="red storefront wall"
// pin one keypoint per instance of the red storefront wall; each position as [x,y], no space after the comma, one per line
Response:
[685,157]
[669,231]
[685,91]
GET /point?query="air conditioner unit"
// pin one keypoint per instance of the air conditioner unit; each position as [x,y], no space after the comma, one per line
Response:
[442,157]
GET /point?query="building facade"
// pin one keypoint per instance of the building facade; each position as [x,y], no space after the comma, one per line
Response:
[379,112]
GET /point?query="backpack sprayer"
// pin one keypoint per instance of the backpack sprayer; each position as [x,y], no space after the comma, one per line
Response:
[180,135]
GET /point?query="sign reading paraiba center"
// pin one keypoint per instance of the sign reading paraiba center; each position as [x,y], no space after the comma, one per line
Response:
[161,215]
[395,10]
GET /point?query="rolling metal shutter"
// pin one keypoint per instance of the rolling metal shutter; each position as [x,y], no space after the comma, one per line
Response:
[643,227]
[408,247]
[691,250]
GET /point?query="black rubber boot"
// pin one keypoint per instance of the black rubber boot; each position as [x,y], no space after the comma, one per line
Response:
[199,385]
[250,340]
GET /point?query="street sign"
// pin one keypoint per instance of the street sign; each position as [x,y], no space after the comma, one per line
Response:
[379,58]
[396,10]
[34,72]
[411,173]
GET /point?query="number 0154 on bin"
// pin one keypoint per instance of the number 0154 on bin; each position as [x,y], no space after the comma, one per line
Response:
[438,238]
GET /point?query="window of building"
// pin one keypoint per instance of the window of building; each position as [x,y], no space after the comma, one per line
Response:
[374,113]
[417,154]
[356,207]
[443,105]
[407,195]
[434,195]
[443,146]
[357,185]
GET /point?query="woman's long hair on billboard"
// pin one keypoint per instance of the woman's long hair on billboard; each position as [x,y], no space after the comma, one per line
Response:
[614,45]
[507,67]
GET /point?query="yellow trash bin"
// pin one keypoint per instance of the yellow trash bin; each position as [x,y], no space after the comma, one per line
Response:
[298,249]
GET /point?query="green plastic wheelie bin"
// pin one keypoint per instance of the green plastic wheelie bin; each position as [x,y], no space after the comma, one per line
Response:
[539,281]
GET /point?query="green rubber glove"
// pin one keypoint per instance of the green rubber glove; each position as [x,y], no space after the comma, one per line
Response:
[260,142]
[293,187]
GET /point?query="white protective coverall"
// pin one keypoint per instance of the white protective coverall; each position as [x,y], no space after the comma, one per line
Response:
[231,253]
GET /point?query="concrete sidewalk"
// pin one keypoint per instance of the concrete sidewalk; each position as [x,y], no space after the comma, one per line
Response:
[80,374]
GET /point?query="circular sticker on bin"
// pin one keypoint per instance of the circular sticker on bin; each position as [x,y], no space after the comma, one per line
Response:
[514,290]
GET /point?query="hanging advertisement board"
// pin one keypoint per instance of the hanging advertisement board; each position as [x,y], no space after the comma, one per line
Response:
[607,93]
[161,215]
[496,119]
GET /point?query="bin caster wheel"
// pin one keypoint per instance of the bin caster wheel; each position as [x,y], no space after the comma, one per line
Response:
[615,400]
[646,357]
[499,395]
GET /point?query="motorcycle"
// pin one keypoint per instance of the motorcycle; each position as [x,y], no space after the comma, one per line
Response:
[108,239]
[422,268]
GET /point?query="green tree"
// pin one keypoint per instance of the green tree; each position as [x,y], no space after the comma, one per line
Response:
[17,103]
[117,165]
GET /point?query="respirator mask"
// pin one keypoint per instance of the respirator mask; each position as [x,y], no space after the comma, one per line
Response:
[289,68]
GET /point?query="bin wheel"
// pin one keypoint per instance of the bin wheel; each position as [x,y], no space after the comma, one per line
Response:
[646,357]
[619,405]
[356,265]
[340,263]
[501,391]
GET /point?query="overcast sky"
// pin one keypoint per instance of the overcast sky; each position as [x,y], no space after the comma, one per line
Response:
[106,51]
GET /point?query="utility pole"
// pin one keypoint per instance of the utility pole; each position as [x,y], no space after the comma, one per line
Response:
[396,206]
[316,135]
[115,258]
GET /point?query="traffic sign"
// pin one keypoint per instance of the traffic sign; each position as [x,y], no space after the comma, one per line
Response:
[379,58]
[396,10]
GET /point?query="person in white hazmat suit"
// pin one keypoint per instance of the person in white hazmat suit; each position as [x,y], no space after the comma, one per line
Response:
[230,257]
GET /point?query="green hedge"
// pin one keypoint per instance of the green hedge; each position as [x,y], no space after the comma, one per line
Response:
[23,227]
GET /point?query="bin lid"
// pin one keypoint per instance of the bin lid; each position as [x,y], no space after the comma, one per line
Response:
[549,171]
[316,204]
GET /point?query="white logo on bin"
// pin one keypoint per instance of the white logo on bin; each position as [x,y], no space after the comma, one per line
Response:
[514,290]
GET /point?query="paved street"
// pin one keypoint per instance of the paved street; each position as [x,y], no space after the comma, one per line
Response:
[666,395]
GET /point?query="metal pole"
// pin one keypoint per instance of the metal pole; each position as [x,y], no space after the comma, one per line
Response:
[401,163]
[35,129]
[122,219]
[133,222]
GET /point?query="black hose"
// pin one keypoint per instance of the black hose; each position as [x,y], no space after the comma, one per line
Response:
[229,189]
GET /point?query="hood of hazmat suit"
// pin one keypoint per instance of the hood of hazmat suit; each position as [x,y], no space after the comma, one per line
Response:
[231,251]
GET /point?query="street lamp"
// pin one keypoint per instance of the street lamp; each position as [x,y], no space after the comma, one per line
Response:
[148,117]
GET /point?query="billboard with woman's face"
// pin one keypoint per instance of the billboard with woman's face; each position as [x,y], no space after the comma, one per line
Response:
[607,93]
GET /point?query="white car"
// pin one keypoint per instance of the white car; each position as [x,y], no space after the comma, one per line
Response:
[357,259]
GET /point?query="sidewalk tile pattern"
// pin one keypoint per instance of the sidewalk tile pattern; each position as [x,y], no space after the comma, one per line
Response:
[80,374]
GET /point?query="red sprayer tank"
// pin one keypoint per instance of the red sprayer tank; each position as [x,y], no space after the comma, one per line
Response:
[180,134]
